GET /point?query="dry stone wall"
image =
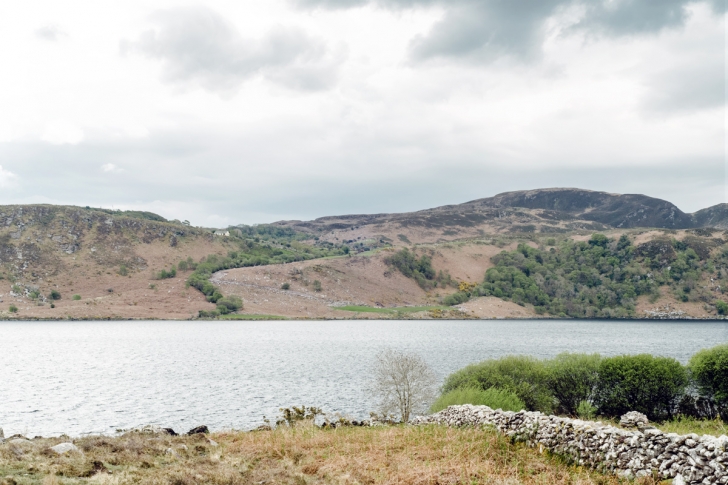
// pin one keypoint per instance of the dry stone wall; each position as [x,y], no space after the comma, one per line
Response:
[690,459]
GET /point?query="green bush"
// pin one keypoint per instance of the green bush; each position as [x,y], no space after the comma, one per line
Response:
[586,410]
[123,271]
[722,307]
[316,285]
[572,378]
[709,369]
[229,304]
[524,376]
[54,295]
[76,297]
[650,385]
[492,397]
[13,309]
[164,274]
[286,286]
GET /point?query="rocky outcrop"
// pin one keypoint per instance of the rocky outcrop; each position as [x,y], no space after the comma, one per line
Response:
[686,458]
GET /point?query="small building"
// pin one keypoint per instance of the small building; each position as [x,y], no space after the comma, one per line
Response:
[222,233]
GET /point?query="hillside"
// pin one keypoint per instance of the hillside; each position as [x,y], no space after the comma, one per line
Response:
[547,211]
[106,258]
[340,266]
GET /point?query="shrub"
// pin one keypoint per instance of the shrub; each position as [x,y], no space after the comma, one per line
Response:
[586,410]
[722,307]
[123,271]
[229,304]
[76,297]
[492,397]
[572,379]
[524,376]
[182,265]
[286,286]
[13,309]
[650,385]
[164,274]
[709,369]
[316,285]
[54,295]
[208,314]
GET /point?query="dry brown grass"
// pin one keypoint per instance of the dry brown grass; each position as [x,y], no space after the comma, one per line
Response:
[302,455]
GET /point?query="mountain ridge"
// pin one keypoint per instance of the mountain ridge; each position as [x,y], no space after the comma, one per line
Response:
[541,206]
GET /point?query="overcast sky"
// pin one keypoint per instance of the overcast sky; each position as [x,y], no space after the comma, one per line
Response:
[245,111]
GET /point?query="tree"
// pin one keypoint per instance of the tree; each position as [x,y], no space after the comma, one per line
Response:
[709,368]
[404,383]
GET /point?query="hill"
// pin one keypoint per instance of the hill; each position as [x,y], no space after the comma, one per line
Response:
[548,211]
[74,262]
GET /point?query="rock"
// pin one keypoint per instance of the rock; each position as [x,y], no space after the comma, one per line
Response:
[213,442]
[2,434]
[63,448]
[633,419]
[171,451]
[170,431]
[19,441]
[199,429]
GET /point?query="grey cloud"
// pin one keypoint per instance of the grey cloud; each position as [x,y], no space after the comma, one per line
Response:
[209,177]
[692,87]
[483,30]
[487,30]
[198,46]
[51,33]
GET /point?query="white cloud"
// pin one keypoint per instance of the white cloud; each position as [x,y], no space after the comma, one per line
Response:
[110,167]
[7,178]
[62,132]
[51,33]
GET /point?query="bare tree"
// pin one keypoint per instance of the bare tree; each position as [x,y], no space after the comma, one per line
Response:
[404,383]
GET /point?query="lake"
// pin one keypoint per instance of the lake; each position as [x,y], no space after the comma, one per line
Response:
[81,377]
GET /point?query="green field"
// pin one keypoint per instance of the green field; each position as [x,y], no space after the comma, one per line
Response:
[236,316]
[403,309]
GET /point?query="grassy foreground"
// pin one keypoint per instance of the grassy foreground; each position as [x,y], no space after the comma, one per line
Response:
[300,455]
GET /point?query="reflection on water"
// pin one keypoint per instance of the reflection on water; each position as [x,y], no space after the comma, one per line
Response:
[77,377]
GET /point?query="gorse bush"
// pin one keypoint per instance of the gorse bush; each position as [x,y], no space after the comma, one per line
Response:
[709,369]
[492,397]
[76,297]
[54,295]
[651,385]
[13,309]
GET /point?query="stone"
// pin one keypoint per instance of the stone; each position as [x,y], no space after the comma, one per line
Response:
[19,441]
[170,431]
[678,480]
[63,448]
[634,419]
[198,429]
[213,442]
[2,434]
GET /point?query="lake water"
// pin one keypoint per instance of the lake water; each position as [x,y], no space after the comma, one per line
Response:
[79,377]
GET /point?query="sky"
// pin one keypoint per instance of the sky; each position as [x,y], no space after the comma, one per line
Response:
[238,111]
